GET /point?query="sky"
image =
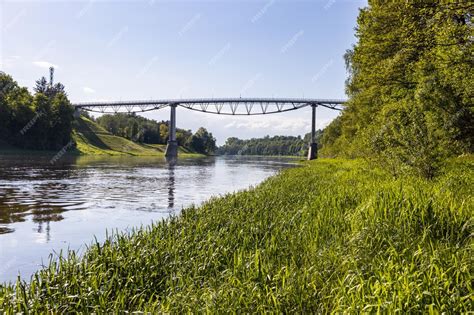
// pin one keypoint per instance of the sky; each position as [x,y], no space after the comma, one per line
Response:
[157,49]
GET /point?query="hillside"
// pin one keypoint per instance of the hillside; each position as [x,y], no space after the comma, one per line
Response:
[92,139]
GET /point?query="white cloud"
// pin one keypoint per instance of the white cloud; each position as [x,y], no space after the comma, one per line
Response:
[88,90]
[45,64]
[276,125]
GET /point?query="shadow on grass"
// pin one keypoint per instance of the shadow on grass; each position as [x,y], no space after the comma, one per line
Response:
[85,131]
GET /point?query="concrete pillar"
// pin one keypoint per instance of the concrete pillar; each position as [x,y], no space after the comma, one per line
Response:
[172,147]
[313,146]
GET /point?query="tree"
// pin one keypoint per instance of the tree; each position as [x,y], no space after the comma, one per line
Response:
[277,145]
[62,120]
[202,142]
[410,87]
[41,121]
[164,131]
[41,86]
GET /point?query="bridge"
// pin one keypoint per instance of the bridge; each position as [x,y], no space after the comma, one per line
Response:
[217,106]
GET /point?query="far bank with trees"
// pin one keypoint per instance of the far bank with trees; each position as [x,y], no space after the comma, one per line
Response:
[43,121]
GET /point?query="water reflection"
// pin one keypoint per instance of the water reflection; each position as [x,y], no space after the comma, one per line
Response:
[16,206]
[171,185]
[43,192]
[46,208]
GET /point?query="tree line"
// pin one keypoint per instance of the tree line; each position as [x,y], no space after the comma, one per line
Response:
[40,121]
[44,120]
[410,86]
[276,145]
[143,130]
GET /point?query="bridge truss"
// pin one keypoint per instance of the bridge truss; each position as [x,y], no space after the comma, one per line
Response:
[224,106]
[229,106]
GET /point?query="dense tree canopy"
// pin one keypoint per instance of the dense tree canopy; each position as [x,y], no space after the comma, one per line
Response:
[411,86]
[143,130]
[202,141]
[41,121]
[134,127]
[276,145]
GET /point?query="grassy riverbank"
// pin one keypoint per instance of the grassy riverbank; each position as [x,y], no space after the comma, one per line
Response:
[333,235]
[92,139]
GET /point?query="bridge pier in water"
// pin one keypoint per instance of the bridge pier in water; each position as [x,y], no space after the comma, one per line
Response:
[313,146]
[172,147]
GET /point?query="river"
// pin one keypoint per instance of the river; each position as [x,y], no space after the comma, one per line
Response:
[47,208]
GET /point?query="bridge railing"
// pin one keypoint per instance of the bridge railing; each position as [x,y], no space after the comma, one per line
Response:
[222,106]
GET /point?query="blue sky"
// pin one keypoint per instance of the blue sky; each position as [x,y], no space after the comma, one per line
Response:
[126,50]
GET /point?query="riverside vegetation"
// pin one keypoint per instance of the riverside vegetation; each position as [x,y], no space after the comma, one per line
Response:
[388,231]
[330,236]
[410,87]
[44,122]
[91,138]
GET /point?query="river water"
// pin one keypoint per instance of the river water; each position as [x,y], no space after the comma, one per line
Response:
[46,208]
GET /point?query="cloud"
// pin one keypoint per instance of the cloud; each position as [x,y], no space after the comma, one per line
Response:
[88,90]
[45,64]
[276,125]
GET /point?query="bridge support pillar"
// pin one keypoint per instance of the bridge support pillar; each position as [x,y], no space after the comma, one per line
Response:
[172,147]
[313,146]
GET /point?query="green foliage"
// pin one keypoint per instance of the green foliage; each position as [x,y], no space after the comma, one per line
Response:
[202,142]
[41,122]
[276,145]
[149,131]
[140,129]
[92,139]
[332,236]
[133,127]
[410,87]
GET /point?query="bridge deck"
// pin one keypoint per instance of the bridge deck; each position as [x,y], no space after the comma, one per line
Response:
[222,106]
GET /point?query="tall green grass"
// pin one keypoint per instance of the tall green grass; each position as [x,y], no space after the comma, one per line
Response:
[331,236]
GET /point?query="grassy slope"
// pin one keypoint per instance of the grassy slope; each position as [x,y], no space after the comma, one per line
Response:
[93,139]
[333,235]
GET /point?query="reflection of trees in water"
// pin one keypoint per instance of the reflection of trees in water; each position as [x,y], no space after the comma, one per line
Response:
[5,230]
[49,196]
[46,216]
[16,205]
[12,211]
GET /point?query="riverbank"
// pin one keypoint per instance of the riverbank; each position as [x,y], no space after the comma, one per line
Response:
[333,235]
[92,139]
